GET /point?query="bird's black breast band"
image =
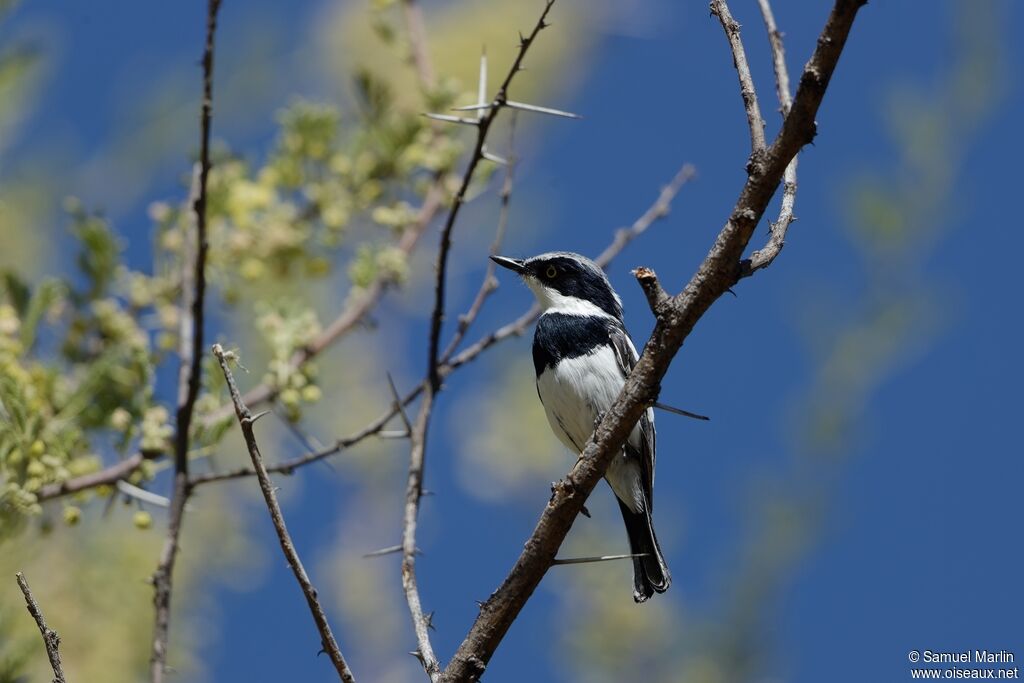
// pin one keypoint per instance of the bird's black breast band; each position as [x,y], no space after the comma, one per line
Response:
[560,335]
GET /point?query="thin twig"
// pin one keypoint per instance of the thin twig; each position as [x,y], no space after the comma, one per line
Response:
[50,638]
[417,457]
[739,56]
[416,31]
[656,211]
[762,258]
[483,126]
[329,644]
[413,495]
[188,387]
[490,283]
[308,441]
[289,466]
[714,277]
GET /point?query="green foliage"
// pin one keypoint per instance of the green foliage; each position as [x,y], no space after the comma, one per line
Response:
[79,355]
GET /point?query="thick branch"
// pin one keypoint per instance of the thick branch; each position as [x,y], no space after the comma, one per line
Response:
[716,274]
[739,57]
[50,638]
[330,645]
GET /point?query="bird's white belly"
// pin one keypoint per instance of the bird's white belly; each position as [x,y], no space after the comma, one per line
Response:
[574,393]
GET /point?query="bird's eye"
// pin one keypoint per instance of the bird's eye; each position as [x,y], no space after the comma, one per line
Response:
[551,272]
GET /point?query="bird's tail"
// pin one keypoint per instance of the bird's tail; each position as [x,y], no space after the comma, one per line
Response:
[650,573]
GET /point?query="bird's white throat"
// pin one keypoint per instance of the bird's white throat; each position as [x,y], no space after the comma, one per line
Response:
[553,301]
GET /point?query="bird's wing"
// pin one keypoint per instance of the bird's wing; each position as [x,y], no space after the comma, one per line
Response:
[626,355]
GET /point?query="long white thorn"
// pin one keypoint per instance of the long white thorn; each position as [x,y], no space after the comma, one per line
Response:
[452,119]
[481,96]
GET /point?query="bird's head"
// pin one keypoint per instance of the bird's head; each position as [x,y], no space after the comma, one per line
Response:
[564,282]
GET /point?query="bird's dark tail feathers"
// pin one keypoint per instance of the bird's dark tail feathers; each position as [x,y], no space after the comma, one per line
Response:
[650,573]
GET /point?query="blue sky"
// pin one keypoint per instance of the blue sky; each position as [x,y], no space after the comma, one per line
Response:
[920,546]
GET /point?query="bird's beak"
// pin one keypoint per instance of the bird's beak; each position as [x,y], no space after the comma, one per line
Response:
[515,265]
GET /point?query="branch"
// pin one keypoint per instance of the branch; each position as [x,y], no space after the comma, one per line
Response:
[413,495]
[121,470]
[289,466]
[715,276]
[490,283]
[483,126]
[111,475]
[330,645]
[739,57]
[355,311]
[417,32]
[658,210]
[190,372]
[417,456]
[360,306]
[777,231]
[50,638]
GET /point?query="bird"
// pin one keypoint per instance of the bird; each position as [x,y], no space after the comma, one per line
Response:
[581,355]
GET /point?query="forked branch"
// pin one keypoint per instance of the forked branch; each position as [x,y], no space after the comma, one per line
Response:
[674,321]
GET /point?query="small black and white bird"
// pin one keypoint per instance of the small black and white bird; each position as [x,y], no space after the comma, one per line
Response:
[582,354]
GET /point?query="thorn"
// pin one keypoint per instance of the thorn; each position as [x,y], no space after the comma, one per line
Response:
[597,558]
[481,97]
[384,551]
[451,119]
[679,411]
[474,107]
[490,156]
[585,512]
[428,618]
[257,416]
[397,404]
[541,110]
[142,494]
[393,434]
[732,292]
